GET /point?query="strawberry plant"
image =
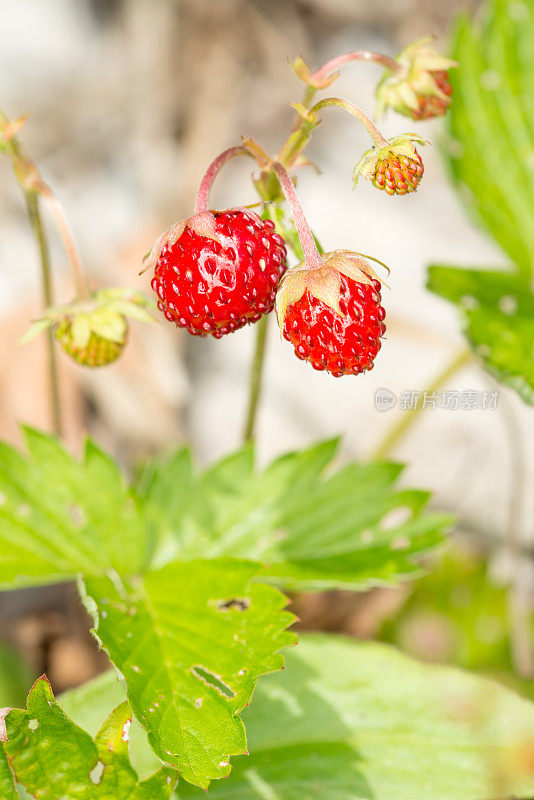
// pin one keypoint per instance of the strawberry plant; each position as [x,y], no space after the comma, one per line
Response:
[183,571]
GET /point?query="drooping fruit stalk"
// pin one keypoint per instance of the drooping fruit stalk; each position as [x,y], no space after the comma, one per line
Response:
[312,258]
[393,165]
[324,72]
[201,202]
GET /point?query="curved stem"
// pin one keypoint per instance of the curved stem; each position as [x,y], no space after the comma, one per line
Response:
[255,379]
[355,55]
[201,202]
[312,257]
[34,214]
[354,111]
[518,601]
[410,417]
[80,281]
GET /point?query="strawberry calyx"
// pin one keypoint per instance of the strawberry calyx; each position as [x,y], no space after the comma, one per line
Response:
[202,223]
[324,282]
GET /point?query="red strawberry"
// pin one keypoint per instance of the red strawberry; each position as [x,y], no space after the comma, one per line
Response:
[332,316]
[217,271]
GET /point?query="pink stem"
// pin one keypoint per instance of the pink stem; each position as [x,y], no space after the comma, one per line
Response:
[312,258]
[201,203]
[356,55]
[71,250]
[354,111]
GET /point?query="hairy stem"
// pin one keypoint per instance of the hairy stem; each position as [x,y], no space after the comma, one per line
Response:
[354,111]
[312,258]
[255,379]
[410,417]
[356,55]
[201,203]
[80,281]
[34,213]
[518,595]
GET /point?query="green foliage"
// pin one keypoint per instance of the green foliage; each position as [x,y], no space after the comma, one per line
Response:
[349,528]
[497,312]
[51,757]
[175,568]
[191,640]
[491,123]
[359,721]
[7,783]
[490,156]
[60,518]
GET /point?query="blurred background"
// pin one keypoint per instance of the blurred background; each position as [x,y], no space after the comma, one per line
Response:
[129,101]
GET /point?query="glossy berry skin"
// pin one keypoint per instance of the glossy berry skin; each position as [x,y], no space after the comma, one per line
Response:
[432,105]
[398,174]
[215,287]
[344,345]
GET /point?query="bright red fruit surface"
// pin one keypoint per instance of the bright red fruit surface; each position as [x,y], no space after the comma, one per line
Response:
[214,288]
[342,345]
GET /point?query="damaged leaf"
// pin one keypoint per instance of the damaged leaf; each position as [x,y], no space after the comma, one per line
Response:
[51,757]
[192,639]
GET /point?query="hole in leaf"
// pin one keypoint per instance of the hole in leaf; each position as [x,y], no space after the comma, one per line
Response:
[213,680]
[125,735]
[77,516]
[239,603]
[96,773]
[395,518]
[33,724]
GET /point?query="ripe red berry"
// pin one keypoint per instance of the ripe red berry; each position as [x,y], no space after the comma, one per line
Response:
[332,319]
[218,271]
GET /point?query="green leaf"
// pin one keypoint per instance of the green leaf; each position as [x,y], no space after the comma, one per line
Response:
[59,517]
[7,783]
[191,640]
[351,528]
[491,124]
[51,757]
[354,720]
[497,312]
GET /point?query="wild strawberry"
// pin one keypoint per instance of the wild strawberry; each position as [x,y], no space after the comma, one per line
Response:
[95,352]
[94,331]
[332,315]
[217,271]
[419,88]
[396,167]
